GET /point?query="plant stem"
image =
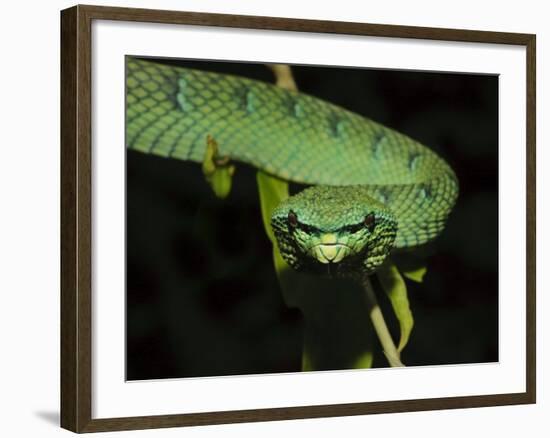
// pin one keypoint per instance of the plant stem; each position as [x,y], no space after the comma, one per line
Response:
[390,351]
[283,76]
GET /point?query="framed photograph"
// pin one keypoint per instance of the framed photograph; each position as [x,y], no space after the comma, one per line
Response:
[268,218]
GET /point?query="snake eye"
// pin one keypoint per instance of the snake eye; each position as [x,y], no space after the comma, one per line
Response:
[292,219]
[369,222]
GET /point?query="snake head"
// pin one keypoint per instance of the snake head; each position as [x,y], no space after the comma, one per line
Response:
[339,231]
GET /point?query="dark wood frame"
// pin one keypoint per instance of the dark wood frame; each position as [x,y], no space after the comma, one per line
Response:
[76,174]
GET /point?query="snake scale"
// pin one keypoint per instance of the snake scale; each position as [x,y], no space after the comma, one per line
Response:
[373,189]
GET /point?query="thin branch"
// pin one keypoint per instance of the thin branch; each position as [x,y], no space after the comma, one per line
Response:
[390,351]
[283,76]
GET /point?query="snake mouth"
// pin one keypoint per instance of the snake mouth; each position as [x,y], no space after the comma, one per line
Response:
[329,252]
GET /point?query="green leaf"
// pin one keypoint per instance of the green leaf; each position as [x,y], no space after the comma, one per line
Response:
[393,284]
[218,172]
[306,362]
[364,361]
[272,192]
[412,264]
[220,181]
[416,274]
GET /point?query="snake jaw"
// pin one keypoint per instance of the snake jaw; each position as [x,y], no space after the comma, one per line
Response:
[329,253]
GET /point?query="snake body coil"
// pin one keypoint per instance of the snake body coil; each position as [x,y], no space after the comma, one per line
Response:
[377,189]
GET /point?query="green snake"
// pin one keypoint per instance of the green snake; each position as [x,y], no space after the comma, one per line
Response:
[372,190]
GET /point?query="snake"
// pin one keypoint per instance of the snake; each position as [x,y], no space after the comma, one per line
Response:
[369,190]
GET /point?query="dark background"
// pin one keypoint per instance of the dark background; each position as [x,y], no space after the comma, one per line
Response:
[202,296]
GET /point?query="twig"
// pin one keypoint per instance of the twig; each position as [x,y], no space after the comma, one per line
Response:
[390,351]
[283,76]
